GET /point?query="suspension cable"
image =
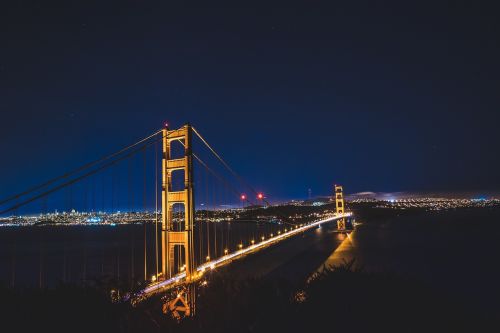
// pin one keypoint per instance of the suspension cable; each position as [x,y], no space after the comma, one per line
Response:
[79,169]
[240,179]
[223,162]
[156,210]
[144,222]
[72,181]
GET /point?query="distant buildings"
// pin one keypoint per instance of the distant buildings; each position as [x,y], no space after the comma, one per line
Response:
[291,212]
[430,203]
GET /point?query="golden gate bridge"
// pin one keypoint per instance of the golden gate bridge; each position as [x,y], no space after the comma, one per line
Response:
[182,253]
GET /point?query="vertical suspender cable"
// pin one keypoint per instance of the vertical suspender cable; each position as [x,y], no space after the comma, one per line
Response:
[156,207]
[215,223]
[102,192]
[207,223]
[144,209]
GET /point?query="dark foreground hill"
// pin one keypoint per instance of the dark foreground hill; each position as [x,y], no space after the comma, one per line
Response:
[339,299]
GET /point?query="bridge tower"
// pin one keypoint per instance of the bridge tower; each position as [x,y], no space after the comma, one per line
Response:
[339,204]
[178,235]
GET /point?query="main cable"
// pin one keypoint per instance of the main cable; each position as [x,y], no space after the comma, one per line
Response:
[79,169]
[240,179]
[70,182]
[223,162]
[235,174]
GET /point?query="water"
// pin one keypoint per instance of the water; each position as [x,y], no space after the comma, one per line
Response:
[294,259]
[455,252]
[45,256]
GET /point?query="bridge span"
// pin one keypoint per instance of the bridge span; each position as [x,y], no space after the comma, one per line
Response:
[178,251]
[180,278]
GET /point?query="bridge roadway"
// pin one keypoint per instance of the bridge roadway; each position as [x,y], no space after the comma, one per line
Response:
[179,278]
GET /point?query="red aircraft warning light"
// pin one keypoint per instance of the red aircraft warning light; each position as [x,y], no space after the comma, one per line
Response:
[243,197]
[260,196]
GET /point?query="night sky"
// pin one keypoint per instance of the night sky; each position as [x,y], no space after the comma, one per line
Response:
[374,95]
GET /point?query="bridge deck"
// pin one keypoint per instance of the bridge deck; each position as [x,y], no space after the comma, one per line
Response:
[179,279]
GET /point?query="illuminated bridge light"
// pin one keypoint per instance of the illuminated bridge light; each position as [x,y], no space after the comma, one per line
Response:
[208,258]
[240,245]
[226,251]
[166,283]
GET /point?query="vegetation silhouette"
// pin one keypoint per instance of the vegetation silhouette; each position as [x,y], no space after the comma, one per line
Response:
[337,298]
